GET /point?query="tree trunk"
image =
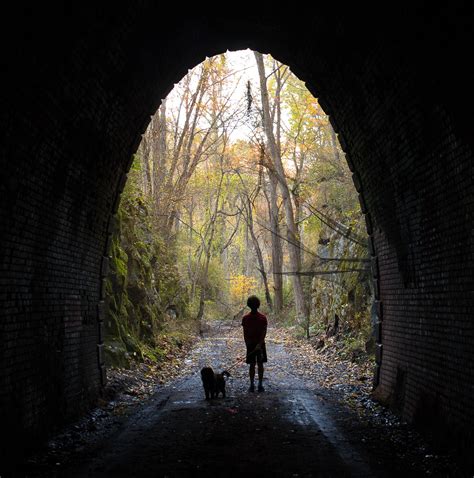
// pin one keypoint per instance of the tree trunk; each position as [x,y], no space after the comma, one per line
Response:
[258,252]
[277,250]
[212,226]
[293,240]
[335,149]
[144,151]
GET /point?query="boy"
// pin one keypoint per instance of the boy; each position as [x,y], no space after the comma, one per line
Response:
[255,330]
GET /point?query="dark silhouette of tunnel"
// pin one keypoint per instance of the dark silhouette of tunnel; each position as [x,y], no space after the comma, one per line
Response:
[79,87]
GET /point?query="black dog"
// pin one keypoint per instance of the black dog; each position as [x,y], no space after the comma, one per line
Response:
[213,383]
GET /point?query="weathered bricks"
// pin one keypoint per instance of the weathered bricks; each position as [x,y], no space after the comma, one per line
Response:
[72,114]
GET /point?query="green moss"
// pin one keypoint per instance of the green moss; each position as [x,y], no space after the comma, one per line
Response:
[116,354]
[142,284]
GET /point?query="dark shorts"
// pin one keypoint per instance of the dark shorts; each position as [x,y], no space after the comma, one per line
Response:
[254,356]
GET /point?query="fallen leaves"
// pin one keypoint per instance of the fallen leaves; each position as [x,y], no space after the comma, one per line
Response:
[142,379]
[325,367]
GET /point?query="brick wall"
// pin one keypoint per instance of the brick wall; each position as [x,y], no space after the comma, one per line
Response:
[79,92]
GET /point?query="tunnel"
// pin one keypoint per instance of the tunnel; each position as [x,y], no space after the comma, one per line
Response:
[80,84]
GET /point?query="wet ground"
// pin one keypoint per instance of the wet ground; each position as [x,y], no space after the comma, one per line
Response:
[295,428]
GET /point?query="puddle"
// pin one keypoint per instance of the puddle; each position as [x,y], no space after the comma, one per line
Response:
[183,402]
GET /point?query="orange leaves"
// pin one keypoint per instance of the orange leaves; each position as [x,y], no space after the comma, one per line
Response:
[243,156]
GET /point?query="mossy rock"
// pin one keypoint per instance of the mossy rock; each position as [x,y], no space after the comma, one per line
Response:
[116,354]
[136,294]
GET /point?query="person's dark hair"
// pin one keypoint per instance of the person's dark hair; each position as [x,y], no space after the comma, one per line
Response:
[253,302]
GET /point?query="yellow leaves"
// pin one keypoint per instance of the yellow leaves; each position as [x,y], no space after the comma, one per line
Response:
[241,286]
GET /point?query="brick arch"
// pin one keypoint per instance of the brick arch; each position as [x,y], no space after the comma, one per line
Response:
[71,126]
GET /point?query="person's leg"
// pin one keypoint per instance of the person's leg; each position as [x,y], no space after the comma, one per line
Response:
[260,376]
[252,376]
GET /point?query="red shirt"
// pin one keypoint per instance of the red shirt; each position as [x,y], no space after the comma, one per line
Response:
[255,327]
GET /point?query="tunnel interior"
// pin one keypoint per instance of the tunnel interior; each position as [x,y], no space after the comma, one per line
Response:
[79,92]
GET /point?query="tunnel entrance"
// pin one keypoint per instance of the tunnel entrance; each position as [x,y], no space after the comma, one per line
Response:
[69,134]
[222,203]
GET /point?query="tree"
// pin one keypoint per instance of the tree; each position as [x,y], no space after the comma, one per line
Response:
[276,169]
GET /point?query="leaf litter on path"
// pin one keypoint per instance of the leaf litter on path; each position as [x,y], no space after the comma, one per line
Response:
[345,381]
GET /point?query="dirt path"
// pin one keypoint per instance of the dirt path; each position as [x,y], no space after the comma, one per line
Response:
[293,429]
[284,431]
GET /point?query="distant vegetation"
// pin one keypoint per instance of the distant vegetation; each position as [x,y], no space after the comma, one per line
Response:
[239,186]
